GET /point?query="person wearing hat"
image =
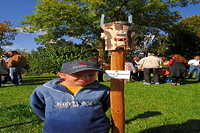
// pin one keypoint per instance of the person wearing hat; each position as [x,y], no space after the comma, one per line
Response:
[151,64]
[75,102]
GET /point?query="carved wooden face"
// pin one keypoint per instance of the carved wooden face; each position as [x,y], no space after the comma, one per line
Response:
[117,35]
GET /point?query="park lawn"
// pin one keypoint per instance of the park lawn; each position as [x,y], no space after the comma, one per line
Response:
[148,108]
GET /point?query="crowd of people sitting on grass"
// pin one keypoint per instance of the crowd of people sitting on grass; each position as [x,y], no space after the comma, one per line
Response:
[153,69]
[150,69]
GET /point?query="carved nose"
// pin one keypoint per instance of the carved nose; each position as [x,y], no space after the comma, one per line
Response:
[120,33]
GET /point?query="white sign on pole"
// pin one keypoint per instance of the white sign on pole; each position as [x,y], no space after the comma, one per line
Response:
[117,74]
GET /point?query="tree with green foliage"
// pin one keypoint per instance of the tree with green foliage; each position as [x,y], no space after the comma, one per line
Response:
[81,19]
[50,59]
[185,37]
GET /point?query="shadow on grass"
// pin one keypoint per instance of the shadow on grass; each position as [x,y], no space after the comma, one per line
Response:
[33,81]
[190,126]
[190,82]
[144,115]
[37,80]
[21,113]
[19,124]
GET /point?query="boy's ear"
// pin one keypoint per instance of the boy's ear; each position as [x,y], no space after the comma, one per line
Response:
[62,75]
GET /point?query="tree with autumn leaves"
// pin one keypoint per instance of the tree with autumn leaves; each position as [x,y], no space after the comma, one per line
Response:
[7,34]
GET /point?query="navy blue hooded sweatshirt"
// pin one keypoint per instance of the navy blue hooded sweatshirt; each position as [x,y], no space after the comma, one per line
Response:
[63,112]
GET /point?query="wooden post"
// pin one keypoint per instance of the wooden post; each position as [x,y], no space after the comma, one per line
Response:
[117,93]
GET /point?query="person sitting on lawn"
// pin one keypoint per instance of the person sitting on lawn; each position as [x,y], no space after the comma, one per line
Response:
[75,102]
[164,67]
[194,66]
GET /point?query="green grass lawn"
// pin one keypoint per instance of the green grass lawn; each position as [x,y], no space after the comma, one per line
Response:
[148,108]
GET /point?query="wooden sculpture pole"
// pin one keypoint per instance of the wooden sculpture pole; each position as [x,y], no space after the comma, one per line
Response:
[117,92]
[117,37]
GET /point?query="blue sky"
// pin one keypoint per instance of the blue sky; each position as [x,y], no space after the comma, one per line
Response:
[14,10]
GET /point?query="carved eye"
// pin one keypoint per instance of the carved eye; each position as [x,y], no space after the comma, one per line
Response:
[109,28]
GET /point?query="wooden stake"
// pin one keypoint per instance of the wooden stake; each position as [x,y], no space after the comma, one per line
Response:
[117,92]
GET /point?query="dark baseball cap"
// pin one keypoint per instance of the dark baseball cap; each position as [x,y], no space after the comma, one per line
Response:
[78,66]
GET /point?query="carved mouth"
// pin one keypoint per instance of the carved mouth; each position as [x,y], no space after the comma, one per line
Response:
[121,39]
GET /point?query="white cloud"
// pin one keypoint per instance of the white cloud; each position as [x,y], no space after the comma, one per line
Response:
[39,32]
[13,47]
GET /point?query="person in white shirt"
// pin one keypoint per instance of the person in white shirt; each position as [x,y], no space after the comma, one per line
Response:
[151,64]
[194,63]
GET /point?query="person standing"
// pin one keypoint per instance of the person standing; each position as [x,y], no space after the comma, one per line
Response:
[3,69]
[129,67]
[15,65]
[100,64]
[150,64]
[194,67]
[138,75]
[6,57]
[75,102]
[6,77]
[178,70]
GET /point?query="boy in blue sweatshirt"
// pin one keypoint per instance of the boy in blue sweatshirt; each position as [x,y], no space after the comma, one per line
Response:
[75,102]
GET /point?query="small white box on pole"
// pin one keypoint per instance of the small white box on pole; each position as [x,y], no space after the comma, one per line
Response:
[116,74]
